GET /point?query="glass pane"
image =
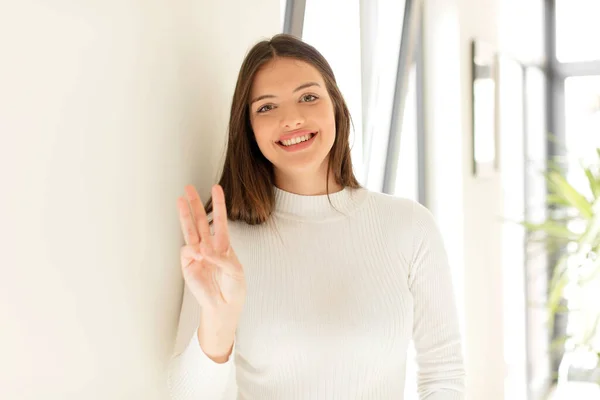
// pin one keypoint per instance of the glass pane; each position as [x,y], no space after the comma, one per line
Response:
[577,30]
[380,46]
[282,7]
[582,113]
[407,175]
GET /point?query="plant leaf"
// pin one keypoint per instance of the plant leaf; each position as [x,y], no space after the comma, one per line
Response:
[554,199]
[590,333]
[589,238]
[552,229]
[595,271]
[560,280]
[593,181]
[559,186]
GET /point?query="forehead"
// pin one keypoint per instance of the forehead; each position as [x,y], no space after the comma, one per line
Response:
[283,75]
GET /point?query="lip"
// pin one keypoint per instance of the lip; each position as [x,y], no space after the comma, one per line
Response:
[299,146]
[294,134]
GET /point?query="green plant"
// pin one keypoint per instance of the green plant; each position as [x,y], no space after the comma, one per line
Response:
[573,227]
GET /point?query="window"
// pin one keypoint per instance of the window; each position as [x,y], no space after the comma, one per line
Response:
[577,30]
[282,9]
[573,98]
[333,27]
[362,40]
[383,22]
[407,177]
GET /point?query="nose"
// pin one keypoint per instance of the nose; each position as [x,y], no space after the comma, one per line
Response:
[292,118]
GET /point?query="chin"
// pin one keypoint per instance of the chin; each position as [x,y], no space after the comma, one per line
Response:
[302,165]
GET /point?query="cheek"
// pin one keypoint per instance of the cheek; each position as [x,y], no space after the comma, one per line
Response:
[327,120]
[263,132]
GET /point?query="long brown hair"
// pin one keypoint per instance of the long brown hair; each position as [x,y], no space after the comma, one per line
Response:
[248,177]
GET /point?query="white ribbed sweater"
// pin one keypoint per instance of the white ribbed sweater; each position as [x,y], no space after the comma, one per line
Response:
[334,298]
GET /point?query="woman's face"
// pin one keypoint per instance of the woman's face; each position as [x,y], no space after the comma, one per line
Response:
[292,116]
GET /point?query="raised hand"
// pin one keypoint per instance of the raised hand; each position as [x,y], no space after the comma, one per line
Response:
[209,265]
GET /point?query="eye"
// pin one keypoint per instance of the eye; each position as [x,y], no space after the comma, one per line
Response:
[265,108]
[308,98]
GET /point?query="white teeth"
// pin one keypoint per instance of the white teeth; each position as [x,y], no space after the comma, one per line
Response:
[296,140]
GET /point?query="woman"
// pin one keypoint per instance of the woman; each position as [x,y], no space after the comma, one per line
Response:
[328,282]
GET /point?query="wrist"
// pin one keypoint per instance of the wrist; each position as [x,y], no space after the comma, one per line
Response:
[216,338]
[218,351]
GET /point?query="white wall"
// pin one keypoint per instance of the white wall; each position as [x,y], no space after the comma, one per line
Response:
[107,108]
[470,210]
[483,229]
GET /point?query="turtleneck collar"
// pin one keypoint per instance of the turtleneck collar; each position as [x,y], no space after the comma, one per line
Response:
[318,208]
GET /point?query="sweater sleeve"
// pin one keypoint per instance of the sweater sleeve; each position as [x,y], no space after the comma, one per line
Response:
[436,336]
[191,373]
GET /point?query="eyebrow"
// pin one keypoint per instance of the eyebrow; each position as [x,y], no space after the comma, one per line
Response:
[270,96]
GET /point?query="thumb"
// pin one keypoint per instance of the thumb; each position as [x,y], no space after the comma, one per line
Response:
[191,252]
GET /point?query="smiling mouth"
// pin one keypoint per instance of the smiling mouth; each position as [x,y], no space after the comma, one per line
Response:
[296,140]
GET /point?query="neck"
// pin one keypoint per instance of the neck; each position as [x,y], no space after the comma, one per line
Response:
[318,208]
[306,183]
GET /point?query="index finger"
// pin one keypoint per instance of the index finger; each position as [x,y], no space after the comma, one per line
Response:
[220,219]
[199,213]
